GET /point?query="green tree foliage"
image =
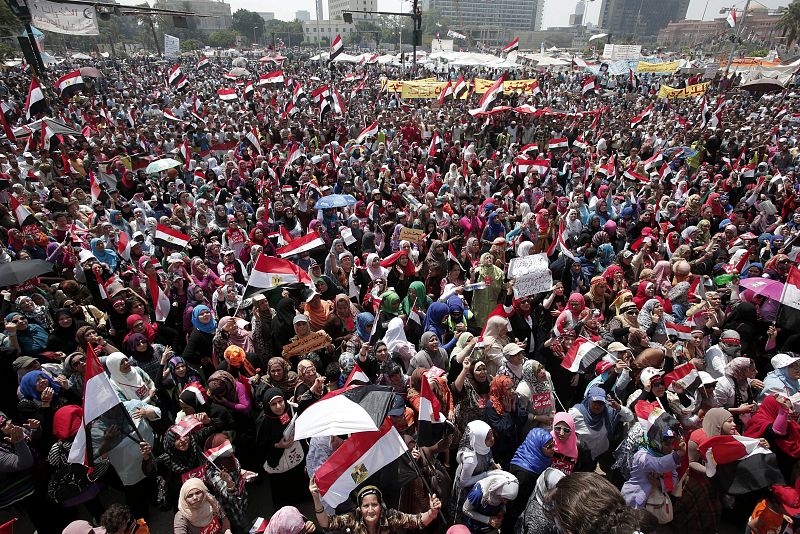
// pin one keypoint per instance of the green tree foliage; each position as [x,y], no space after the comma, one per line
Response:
[222,38]
[190,45]
[790,23]
[9,23]
[248,23]
[291,33]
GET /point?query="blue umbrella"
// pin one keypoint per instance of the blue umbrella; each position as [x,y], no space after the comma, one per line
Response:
[335,201]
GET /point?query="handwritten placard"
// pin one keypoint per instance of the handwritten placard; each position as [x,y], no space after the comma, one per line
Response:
[309,343]
[411,234]
[531,275]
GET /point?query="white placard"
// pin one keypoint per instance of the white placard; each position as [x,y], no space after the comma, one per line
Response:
[70,19]
[172,45]
[616,52]
[531,275]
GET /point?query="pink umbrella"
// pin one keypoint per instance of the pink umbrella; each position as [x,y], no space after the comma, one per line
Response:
[765,287]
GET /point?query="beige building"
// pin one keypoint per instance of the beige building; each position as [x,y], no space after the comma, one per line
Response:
[759,23]
[315,30]
[337,7]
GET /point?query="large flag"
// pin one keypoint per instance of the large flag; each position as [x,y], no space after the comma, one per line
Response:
[102,409]
[271,77]
[541,165]
[436,145]
[160,301]
[654,161]
[645,114]
[686,373]
[167,237]
[369,131]
[489,98]
[447,91]
[731,19]
[35,102]
[587,85]
[336,48]
[300,245]
[270,272]
[357,459]
[558,142]
[294,154]
[70,83]
[512,46]
[202,62]
[581,355]
[252,138]
[460,88]
[22,214]
[789,315]
[431,419]
[175,75]
[227,94]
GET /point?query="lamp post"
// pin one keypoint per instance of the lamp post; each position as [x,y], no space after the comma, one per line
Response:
[739,26]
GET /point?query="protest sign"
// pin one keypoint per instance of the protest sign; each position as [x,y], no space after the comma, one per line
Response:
[309,343]
[531,275]
[412,235]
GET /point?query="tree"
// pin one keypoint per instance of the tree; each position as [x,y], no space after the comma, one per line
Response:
[9,23]
[248,23]
[291,33]
[790,23]
[222,38]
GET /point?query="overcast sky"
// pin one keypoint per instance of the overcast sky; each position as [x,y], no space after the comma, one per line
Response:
[556,12]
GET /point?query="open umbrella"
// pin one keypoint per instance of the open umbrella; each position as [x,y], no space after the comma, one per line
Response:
[17,272]
[162,165]
[345,411]
[239,71]
[91,72]
[765,287]
[762,85]
[335,201]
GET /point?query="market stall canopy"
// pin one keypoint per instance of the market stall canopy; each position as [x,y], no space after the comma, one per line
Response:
[762,85]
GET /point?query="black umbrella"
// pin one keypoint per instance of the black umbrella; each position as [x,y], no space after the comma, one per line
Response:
[17,272]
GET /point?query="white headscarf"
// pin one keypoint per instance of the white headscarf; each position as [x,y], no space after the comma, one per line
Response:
[497,486]
[375,272]
[478,430]
[131,385]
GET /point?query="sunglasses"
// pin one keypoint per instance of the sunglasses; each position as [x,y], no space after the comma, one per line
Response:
[562,430]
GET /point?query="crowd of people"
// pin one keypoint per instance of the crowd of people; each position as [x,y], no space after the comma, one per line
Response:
[651,213]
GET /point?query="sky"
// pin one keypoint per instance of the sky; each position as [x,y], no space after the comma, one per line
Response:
[556,12]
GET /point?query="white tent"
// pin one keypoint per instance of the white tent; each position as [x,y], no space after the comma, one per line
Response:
[80,55]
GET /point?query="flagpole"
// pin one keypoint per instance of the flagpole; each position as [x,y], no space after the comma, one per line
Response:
[425,482]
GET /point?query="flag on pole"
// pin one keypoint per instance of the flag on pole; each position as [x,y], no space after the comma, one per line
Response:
[558,142]
[300,245]
[269,272]
[460,88]
[94,187]
[35,102]
[167,237]
[175,75]
[70,84]
[294,154]
[654,161]
[271,77]
[587,85]
[227,95]
[336,48]
[124,246]
[22,214]
[731,18]
[681,331]
[580,143]
[369,131]
[202,63]
[358,375]
[645,114]
[220,451]
[489,98]
[512,46]
[789,313]
[431,420]
[686,373]
[581,355]
[160,301]
[436,145]
[186,154]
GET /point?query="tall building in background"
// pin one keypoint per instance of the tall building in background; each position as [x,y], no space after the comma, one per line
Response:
[216,13]
[480,18]
[302,15]
[576,19]
[337,7]
[640,18]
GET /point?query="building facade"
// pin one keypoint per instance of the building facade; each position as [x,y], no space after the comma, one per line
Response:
[480,19]
[302,15]
[758,24]
[640,18]
[327,30]
[337,7]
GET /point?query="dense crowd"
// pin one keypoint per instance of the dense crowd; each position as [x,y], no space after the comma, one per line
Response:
[650,229]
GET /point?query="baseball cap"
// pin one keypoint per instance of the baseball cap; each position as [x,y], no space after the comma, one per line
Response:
[511,349]
[602,366]
[23,362]
[706,379]
[299,318]
[779,361]
[398,407]
[596,394]
[616,346]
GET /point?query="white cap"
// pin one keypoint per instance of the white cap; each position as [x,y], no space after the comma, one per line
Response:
[706,379]
[85,255]
[779,361]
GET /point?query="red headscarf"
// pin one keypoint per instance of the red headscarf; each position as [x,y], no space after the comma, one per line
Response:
[641,297]
[765,416]
[149,331]
[389,262]
[67,422]
[497,390]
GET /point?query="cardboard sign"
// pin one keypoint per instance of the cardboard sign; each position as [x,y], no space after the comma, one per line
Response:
[531,275]
[540,401]
[698,89]
[412,235]
[310,343]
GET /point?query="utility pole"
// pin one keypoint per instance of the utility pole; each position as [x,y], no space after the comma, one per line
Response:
[739,26]
[416,19]
[155,37]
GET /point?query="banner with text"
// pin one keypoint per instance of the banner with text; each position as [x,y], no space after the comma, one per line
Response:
[531,275]
[509,86]
[172,46]
[669,66]
[417,89]
[70,19]
[698,89]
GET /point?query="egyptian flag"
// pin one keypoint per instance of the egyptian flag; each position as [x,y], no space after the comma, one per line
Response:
[35,102]
[102,408]
[436,145]
[169,115]
[252,138]
[336,48]
[186,153]
[460,88]
[94,187]
[271,77]
[7,127]
[633,80]
[489,98]
[356,460]
[654,161]
[248,89]
[447,91]
[580,143]
[160,301]
[631,174]
[511,47]
[789,314]
[560,244]
[369,131]
[202,63]
[174,75]
[338,102]
[587,85]
[298,93]
[23,216]
[558,142]
[581,355]
[167,237]
[357,375]
[680,331]
[542,166]
[124,246]
[220,451]
[697,288]
[290,110]
[294,154]
[227,95]
[648,111]
[731,19]
[686,373]
[131,118]
[610,168]
[70,84]
[270,272]
[46,135]
[431,421]
[300,245]
[739,464]
[259,526]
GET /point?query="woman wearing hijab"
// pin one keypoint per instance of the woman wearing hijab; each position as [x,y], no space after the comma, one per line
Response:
[506,417]
[785,378]
[341,322]
[146,355]
[495,337]
[274,443]
[401,272]
[396,342]
[30,339]
[229,332]
[310,385]
[431,354]
[485,300]
[62,336]
[204,278]
[283,331]
[130,383]
[104,255]
[435,317]
[200,344]
[533,456]
[227,482]
[236,362]
[773,422]
[485,504]
[733,391]
[230,393]
[198,511]
[434,269]
[475,461]
[536,395]
[535,520]
[416,301]
[279,375]
[596,419]
[653,320]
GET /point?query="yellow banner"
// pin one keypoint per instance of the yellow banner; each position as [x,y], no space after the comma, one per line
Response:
[669,66]
[509,86]
[698,89]
[396,86]
[419,89]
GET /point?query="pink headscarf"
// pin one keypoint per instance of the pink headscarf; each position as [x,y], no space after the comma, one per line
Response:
[568,448]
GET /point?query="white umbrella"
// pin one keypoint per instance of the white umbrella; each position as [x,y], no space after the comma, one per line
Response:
[80,55]
[162,165]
